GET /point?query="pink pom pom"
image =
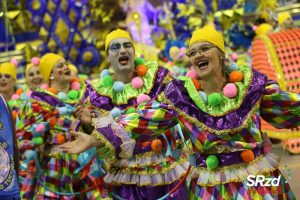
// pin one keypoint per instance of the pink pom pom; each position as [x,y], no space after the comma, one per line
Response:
[28,93]
[267,145]
[35,61]
[230,90]
[60,121]
[192,73]
[137,82]
[44,86]
[40,128]
[142,98]
[15,97]
[75,85]
[234,56]
[14,61]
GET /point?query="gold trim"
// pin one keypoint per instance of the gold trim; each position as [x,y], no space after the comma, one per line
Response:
[107,144]
[204,127]
[277,66]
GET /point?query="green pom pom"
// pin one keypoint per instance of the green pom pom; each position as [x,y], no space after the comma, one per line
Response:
[37,140]
[212,162]
[214,99]
[73,94]
[139,61]
[11,103]
[108,81]
[130,110]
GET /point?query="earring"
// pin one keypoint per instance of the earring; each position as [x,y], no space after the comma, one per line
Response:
[51,78]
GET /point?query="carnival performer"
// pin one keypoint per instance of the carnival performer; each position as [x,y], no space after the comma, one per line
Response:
[285,21]
[45,123]
[8,76]
[33,76]
[156,166]
[220,107]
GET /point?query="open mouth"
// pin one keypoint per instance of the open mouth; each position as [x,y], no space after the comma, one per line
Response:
[124,60]
[202,64]
[3,84]
[67,72]
[37,81]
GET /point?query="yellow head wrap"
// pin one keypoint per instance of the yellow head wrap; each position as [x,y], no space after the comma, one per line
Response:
[263,29]
[116,34]
[282,17]
[73,68]
[208,34]
[8,68]
[47,63]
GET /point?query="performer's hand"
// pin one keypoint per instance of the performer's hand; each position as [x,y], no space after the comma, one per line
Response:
[82,143]
[83,114]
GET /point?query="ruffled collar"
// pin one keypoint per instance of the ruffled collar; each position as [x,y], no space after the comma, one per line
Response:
[129,92]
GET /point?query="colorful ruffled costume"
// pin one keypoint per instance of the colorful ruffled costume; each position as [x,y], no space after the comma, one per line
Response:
[146,174]
[228,144]
[45,123]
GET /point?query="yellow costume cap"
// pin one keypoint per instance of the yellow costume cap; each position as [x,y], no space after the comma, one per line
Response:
[208,34]
[47,63]
[8,68]
[282,17]
[73,68]
[116,34]
[263,29]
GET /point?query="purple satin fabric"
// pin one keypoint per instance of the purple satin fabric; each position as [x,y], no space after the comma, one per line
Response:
[105,103]
[225,158]
[41,96]
[178,95]
[133,192]
[109,134]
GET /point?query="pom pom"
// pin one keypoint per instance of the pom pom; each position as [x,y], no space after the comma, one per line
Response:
[139,61]
[156,145]
[60,138]
[107,81]
[141,70]
[52,122]
[40,128]
[212,162]
[19,91]
[62,96]
[74,79]
[60,121]
[142,98]
[230,90]
[52,90]
[15,97]
[119,86]
[73,94]
[196,84]
[247,156]
[115,112]
[236,76]
[234,56]
[28,93]
[232,67]
[14,62]
[14,114]
[130,110]
[203,96]
[192,73]
[214,99]
[62,110]
[35,61]
[37,140]
[75,85]
[137,82]
[104,73]
[44,86]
